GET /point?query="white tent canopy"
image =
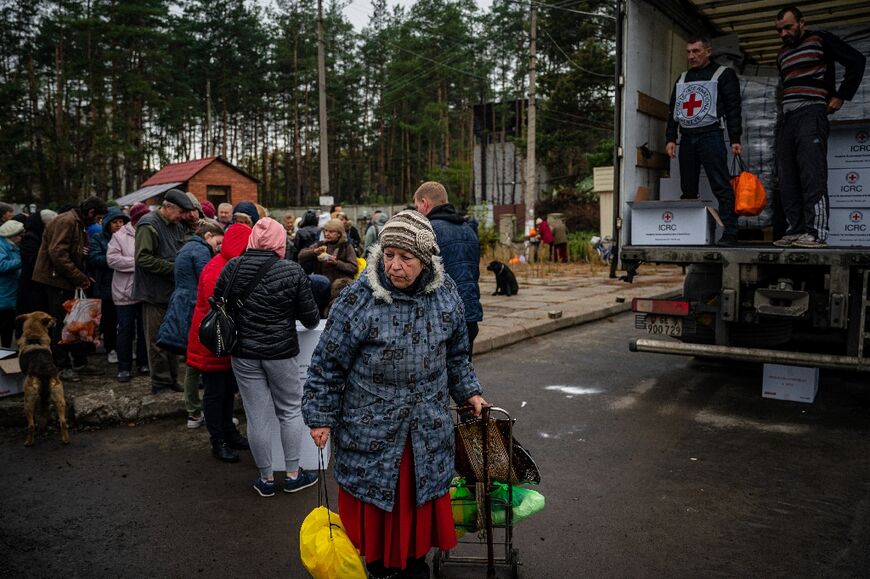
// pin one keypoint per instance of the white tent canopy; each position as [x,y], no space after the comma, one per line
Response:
[144,193]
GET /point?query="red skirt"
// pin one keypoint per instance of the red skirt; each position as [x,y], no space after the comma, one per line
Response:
[409,532]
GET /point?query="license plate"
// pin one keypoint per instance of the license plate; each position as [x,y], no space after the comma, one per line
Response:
[664,326]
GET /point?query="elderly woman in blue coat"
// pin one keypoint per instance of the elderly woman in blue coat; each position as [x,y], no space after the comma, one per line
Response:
[10,270]
[172,335]
[392,354]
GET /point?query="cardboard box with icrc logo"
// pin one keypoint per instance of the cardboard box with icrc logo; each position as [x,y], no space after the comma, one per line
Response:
[11,378]
[674,223]
[849,227]
[849,147]
[796,383]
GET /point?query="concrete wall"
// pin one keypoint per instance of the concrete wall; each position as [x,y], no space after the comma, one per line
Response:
[504,170]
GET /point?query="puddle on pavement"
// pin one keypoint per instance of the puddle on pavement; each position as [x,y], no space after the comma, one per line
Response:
[572,391]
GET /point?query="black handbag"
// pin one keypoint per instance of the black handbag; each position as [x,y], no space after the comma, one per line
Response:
[217,332]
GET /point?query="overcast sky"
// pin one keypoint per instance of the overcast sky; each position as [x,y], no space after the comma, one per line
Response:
[358,11]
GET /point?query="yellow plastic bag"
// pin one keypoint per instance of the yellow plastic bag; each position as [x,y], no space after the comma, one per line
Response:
[328,555]
[361,265]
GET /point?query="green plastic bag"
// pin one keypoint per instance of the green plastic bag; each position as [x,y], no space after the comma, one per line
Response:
[526,502]
[464,506]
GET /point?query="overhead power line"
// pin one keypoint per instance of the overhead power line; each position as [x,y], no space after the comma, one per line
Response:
[566,9]
[586,70]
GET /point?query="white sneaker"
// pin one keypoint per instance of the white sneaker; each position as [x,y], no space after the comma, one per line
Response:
[195,421]
[787,240]
[113,357]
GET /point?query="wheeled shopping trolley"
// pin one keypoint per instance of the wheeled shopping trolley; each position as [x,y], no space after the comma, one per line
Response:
[480,529]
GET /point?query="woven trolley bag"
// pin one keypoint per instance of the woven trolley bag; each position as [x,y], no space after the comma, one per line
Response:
[469,435]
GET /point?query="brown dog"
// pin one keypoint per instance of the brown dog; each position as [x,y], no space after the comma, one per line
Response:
[42,384]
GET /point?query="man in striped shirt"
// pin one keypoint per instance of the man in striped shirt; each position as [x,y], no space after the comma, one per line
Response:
[806,65]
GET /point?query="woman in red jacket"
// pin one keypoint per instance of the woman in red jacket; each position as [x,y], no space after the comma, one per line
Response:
[217,373]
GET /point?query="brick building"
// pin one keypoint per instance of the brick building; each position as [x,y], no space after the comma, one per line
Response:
[211,178]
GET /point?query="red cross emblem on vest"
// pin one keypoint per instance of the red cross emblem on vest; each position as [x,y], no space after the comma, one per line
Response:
[852,177]
[690,105]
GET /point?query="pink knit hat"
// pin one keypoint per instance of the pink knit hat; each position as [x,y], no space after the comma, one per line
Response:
[137,212]
[269,234]
[208,209]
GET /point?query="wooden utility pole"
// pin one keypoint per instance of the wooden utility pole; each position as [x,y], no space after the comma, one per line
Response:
[321,77]
[531,166]
[209,143]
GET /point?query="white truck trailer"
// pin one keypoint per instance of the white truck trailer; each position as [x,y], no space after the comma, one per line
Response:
[754,301]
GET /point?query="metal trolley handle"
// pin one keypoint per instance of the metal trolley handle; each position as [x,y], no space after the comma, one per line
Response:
[485,415]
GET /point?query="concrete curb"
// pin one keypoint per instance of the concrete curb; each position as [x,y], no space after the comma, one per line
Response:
[542,327]
[116,405]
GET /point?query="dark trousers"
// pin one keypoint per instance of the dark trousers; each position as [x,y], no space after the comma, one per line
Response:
[62,352]
[708,150]
[472,334]
[7,327]
[163,363]
[320,288]
[802,170]
[560,252]
[217,403]
[109,324]
[130,325]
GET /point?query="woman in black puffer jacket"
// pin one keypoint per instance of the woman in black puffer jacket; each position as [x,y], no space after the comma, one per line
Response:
[264,359]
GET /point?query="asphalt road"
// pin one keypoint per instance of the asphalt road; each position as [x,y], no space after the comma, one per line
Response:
[652,466]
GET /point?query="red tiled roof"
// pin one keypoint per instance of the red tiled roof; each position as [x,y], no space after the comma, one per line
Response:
[178,172]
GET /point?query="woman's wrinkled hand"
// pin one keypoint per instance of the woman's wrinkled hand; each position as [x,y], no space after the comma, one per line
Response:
[320,436]
[477,403]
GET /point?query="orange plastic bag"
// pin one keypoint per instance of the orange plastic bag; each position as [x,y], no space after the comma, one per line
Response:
[82,322]
[749,194]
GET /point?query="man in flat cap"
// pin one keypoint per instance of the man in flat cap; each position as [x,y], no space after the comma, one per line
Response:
[159,236]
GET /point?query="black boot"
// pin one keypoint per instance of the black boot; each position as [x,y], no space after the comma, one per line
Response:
[222,451]
[376,570]
[236,441]
[417,569]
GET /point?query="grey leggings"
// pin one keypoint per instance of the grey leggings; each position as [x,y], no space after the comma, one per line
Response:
[269,389]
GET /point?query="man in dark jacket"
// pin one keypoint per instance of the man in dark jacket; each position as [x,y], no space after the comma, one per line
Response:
[460,249]
[807,68]
[701,97]
[60,266]
[159,236]
[308,233]
[102,273]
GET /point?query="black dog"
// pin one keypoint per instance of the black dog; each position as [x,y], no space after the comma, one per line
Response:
[505,280]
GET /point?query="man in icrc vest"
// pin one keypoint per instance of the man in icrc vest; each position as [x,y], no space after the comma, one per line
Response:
[702,97]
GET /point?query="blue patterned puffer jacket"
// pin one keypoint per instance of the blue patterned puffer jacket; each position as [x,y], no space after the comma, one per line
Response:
[384,369]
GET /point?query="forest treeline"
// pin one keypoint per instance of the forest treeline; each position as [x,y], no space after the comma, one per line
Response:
[95,95]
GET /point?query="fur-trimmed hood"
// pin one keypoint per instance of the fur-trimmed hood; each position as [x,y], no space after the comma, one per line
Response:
[373,280]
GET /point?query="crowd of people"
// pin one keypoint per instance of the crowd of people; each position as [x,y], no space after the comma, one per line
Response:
[396,345]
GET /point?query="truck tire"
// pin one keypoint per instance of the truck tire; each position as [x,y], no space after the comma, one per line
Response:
[773,332]
[701,285]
